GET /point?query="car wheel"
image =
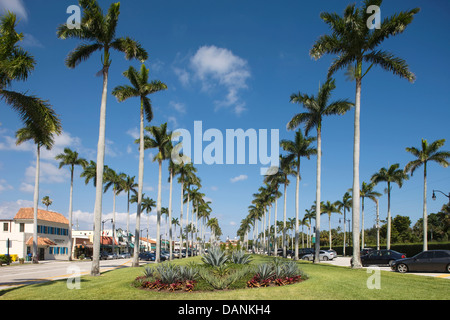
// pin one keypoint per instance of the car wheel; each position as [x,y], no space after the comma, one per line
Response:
[402,268]
[325,258]
[448,268]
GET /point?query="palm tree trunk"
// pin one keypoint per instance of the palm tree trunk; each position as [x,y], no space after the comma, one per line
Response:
[355,192]
[275,250]
[95,269]
[362,223]
[187,224]
[140,187]
[70,213]
[114,220]
[425,217]
[319,163]
[388,236]
[296,208]
[35,209]
[128,220]
[284,222]
[170,216]
[158,216]
[378,225]
[181,221]
[343,247]
[329,230]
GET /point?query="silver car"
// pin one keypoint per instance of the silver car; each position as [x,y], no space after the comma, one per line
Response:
[323,255]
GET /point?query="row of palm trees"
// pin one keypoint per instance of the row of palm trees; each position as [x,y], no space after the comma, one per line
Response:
[120,182]
[353,44]
[97,33]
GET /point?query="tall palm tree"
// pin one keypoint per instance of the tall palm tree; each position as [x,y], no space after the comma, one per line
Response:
[116,181]
[329,208]
[161,140]
[129,186]
[429,152]
[43,136]
[299,147]
[366,192]
[140,88]
[344,204]
[98,33]
[147,205]
[354,44]
[90,173]
[17,65]
[391,175]
[274,181]
[186,171]
[317,108]
[70,158]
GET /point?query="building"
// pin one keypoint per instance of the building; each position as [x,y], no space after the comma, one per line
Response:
[16,235]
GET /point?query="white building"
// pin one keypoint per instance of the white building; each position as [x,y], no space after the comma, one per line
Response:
[53,235]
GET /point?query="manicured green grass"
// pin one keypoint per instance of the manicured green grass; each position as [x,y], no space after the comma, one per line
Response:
[326,282]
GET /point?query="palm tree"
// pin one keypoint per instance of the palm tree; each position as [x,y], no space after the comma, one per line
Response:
[90,173]
[116,180]
[70,158]
[141,88]
[46,201]
[391,175]
[186,171]
[175,223]
[299,147]
[428,153]
[17,65]
[161,140]
[147,205]
[43,136]
[329,208]
[129,186]
[354,43]
[344,204]
[317,108]
[274,181]
[366,192]
[98,33]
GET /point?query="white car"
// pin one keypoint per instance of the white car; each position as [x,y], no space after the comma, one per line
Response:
[323,255]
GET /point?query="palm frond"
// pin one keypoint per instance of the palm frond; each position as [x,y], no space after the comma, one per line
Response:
[81,53]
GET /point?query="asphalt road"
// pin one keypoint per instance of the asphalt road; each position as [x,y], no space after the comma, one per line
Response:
[18,275]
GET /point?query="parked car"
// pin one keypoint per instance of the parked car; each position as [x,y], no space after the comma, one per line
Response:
[431,260]
[333,252]
[124,255]
[165,254]
[323,255]
[112,256]
[104,255]
[381,257]
[147,256]
[365,251]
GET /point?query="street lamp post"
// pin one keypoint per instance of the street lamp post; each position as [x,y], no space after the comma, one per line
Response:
[434,195]
[103,227]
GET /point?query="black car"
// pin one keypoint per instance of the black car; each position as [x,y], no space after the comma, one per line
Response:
[148,256]
[381,257]
[431,260]
[104,255]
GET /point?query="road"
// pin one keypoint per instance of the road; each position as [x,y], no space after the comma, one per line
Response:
[18,275]
[345,261]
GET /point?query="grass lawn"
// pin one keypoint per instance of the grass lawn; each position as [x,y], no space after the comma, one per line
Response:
[326,282]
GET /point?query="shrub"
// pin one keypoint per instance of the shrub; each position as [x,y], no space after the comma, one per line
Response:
[215,257]
[239,257]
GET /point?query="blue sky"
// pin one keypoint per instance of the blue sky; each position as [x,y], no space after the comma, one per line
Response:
[230,64]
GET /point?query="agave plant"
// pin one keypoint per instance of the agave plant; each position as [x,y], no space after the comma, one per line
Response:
[215,257]
[168,273]
[265,271]
[239,257]
[188,273]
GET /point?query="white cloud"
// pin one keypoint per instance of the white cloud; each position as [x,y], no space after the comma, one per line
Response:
[215,67]
[48,173]
[30,41]
[183,76]
[4,185]
[9,209]
[178,106]
[239,178]
[133,132]
[15,6]
[26,187]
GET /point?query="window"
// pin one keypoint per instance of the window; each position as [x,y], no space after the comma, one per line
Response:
[22,227]
[441,254]
[5,226]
